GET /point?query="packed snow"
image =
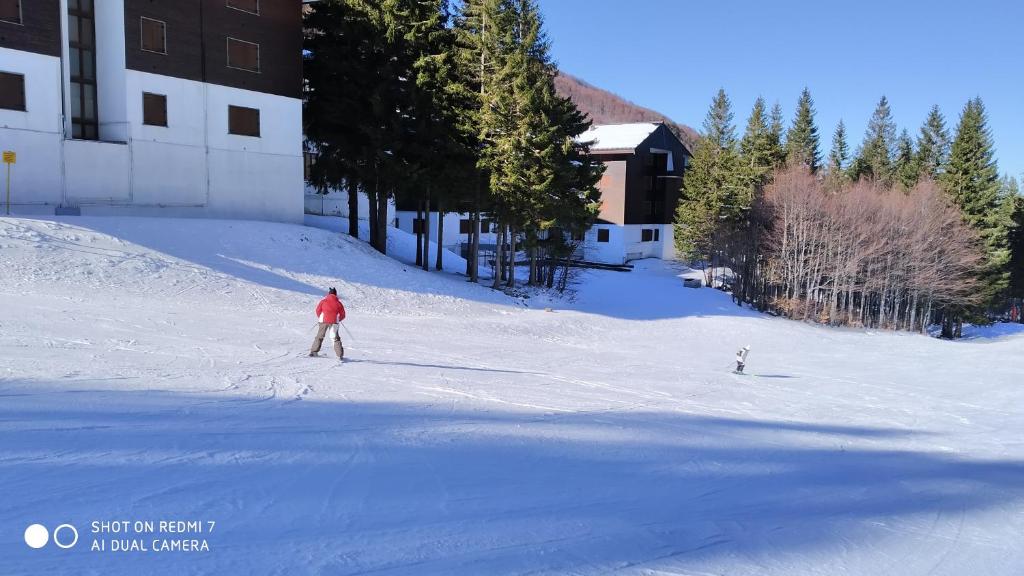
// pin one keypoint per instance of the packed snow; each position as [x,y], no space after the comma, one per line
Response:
[156,370]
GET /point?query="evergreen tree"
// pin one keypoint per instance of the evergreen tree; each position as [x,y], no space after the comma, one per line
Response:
[971,178]
[757,149]
[838,156]
[906,170]
[715,188]
[802,142]
[1015,204]
[933,144]
[776,136]
[875,156]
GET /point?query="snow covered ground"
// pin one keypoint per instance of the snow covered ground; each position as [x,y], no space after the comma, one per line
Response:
[155,370]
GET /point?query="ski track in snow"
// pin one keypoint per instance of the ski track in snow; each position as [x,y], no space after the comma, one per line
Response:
[155,369]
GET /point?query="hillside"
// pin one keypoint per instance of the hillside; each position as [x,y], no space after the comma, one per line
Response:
[156,369]
[605,107]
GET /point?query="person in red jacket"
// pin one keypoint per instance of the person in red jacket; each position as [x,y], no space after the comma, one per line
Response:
[329,312]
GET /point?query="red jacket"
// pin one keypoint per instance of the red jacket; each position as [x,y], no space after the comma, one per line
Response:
[330,310]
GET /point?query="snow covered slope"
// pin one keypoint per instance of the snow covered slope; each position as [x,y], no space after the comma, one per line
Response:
[154,370]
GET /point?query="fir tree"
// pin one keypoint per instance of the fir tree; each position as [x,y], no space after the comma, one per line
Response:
[757,150]
[905,168]
[1015,207]
[971,178]
[776,136]
[839,155]
[802,142]
[933,144]
[715,188]
[875,156]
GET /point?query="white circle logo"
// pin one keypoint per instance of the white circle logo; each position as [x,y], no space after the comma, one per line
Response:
[36,536]
[57,541]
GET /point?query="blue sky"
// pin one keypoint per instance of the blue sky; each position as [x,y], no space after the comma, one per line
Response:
[673,55]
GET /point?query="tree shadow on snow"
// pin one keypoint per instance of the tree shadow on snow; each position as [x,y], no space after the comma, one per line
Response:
[304,487]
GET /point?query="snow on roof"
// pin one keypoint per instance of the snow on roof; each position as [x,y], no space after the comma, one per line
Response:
[618,136]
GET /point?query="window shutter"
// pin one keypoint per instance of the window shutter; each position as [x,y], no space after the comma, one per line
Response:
[243,121]
[12,91]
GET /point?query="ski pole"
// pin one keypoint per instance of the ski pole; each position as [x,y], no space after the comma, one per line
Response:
[350,337]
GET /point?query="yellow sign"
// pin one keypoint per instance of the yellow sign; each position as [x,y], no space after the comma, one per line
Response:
[10,157]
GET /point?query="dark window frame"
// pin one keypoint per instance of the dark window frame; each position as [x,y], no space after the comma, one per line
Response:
[259,57]
[142,35]
[603,235]
[24,98]
[233,128]
[256,13]
[83,83]
[647,235]
[465,226]
[145,117]
[21,16]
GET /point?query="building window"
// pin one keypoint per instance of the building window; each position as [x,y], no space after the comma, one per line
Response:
[485,226]
[243,121]
[154,35]
[243,55]
[602,235]
[82,52]
[577,236]
[465,226]
[10,11]
[250,6]
[646,235]
[417,225]
[12,91]
[154,109]
[657,234]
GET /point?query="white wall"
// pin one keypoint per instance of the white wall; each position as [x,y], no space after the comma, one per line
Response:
[97,172]
[610,252]
[110,71]
[626,243]
[452,236]
[35,134]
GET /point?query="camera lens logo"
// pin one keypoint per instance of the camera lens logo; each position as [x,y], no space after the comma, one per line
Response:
[64,536]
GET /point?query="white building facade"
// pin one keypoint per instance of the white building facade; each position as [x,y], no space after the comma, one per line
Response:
[141,107]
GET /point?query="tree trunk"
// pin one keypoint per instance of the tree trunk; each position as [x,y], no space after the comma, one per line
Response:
[439,265]
[382,223]
[512,258]
[419,232]
[371,194]
[353,208]
[473,260]
[498,263]
[426,233]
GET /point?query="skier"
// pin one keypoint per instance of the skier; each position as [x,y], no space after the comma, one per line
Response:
[741,358]
[1014,313]
[329,312]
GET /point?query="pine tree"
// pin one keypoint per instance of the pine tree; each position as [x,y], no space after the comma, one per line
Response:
[777,136]
[1015,206]
[715,187]
[802,142]
[905,167]
[875,156]
[838,157]
[757,150]
[933,144]
[971,178]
